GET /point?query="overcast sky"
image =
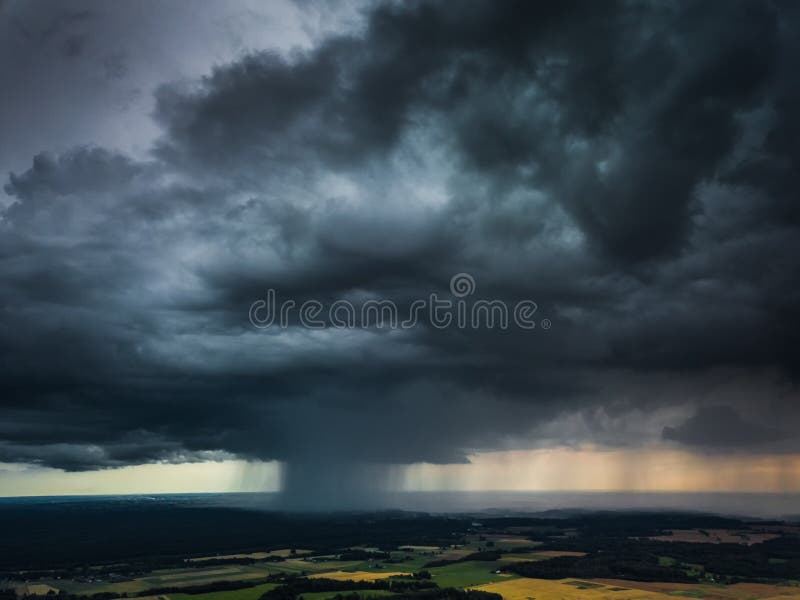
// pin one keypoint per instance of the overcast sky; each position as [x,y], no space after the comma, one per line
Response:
[631,167]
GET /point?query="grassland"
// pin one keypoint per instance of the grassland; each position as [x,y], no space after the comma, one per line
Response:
[402,561]
[253,593]
[280,553]
[456,553]
[716,536]
[466,574]
[513,557]
[80,587]
[187,577]
[553,553]
[361,593]
[506,541]
[357,575]
[196,576]
[296,565]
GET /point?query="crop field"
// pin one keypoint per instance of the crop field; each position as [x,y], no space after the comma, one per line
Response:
[253,593]
[184,577]
[543,555]
[566,589]
[465,574]
[296,565]
[361,593]
[615,589]
[505,541]
[773,566]
[40,589]
[507,559]
[423,554]
[358,575]
[334,569]
[172,578]
[253,555]
[282,553]
[480,575]
[508,542]
[455,553]
[80,587]
[737,591]
[410,562]
[214,573]
[715,536]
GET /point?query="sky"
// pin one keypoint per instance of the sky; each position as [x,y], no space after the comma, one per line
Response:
[621,178]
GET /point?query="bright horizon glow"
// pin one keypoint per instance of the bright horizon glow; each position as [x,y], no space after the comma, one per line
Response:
[560,469]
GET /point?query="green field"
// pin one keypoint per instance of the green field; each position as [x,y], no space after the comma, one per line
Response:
[183,577]
[82,588]
[253,593]
[199,576]
[412,560]
[416,563]
[467,574]
[296,565]
[326,595]
[513,557]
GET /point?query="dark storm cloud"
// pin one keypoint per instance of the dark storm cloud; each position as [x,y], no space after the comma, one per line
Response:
[605,110]
[61,24]
[721,426]
[630,167]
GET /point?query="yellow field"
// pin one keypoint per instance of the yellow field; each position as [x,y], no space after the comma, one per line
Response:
[564,589]
[39,589]
[283,553]
[512,558]
[737,591]
[529,556]
[509,539]
[617,589]
[356,575]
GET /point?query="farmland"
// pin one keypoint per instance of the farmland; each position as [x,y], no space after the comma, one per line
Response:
[716,536]
[573,589]
[280,553]
[566,589]
[605,555]
[466,574]
[357,575]
[360,593]
[253,593]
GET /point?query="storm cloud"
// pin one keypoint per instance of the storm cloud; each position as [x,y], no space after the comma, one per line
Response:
[630,167]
